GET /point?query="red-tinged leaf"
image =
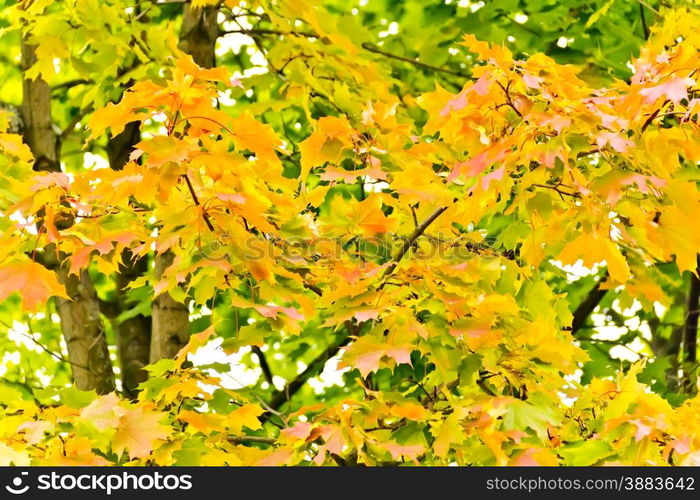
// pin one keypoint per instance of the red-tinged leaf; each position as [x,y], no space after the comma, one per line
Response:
[81,258]
[400,354]
[482,160]
[103,412]
[300,430]
[674,89]
[138,432]
[349,176]
[51,179]
[366,353]
[534,457]
[400,451]
[34,430]
[236,198]
[281,456]
[34,283]
[616,141]
[366,315]
[334,442]
[269,311]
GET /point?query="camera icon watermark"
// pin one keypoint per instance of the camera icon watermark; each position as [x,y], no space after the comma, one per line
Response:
[18,487]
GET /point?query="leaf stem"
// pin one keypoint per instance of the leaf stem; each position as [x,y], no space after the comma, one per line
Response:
[205,216]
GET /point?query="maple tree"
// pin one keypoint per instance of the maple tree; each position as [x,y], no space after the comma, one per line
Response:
[475,219]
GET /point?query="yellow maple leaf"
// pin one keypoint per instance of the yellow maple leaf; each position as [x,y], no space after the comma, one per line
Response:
[331,136]
[592,248]
[245,416]
[10,456]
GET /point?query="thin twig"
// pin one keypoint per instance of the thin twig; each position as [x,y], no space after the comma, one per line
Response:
[71,83]
[509,101]
[205,216]
[409,242]
[651,117]
[314,368]
[71,126]
[558,190]
[371,48]
[645,28]
[56,355]
[259,31]
[251,439]
[587,305]
[264,366]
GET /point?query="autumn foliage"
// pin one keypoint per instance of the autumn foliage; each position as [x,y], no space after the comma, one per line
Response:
[412,227]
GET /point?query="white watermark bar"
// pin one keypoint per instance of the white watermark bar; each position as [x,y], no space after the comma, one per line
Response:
[390,482]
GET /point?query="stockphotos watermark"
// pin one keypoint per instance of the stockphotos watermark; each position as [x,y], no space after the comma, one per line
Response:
[442,246]
[107,483]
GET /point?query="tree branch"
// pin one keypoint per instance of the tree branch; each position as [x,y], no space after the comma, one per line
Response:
[366,46]
[264,366]
[645,28]
[409,242]
[251,439]
[651,117]
[70,84]
[260,31]
[316,366]
[586,307]
[71,126]
[371,48]
[313,369]
[205,216]
[55,355]
[690,331]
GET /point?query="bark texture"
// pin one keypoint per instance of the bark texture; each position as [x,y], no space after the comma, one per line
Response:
[120,146]
[198,34]
[36,117]
[170,318]
[133,334]
[81,324]
[84,333]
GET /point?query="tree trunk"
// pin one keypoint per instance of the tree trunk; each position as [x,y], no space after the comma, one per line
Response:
[170,319]
[84,334]
[120,146]
[36,117]
[81,324]
[198,34]
[133,334]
